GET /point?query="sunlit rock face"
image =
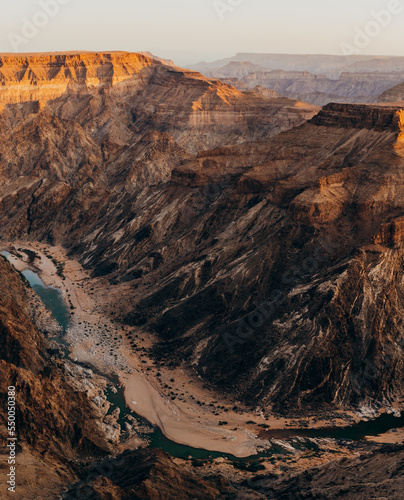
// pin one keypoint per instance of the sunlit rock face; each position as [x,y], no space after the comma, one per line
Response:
[305,224]
[123,94]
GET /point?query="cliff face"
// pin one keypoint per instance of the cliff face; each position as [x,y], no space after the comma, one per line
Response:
[45,77]
[272,267]
[297,225]
[373,475]
[118,96]
[54,423]
[381,118]
[331,66]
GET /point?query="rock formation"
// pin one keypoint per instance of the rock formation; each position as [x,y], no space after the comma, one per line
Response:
[319,64]
[394,94]
[54,423]
[315,79]
[260,242]
[372,475]
[125,95]
[209,240]
[147,474]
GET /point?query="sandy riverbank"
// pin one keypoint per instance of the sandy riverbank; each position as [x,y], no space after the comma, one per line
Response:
[88,343]
[175,400]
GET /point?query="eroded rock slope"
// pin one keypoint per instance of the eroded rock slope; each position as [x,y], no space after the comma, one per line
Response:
[282,255]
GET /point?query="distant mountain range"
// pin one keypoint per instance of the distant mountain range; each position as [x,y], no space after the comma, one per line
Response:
[317,79]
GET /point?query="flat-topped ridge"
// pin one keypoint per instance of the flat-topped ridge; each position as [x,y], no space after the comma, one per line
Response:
[369,116]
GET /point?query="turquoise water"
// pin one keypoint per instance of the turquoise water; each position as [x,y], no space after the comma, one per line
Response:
[354,432]
[53,301]
[51,297]
[157,439]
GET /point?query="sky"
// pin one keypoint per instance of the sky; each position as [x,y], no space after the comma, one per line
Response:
[189,31]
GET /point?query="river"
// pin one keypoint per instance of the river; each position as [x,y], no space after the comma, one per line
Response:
[54,302]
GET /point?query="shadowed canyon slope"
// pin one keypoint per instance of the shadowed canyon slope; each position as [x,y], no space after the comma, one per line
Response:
[59,428]
[282,256]
[258,239]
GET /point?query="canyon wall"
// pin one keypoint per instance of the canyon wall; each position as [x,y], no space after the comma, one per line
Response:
[125,95]
[205,240]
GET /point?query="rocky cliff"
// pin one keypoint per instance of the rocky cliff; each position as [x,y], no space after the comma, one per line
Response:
[380,118]
[147,474]
[273,267]
[394,94]
[122,95]
[372,475]
[252,252]
[356,84]
[54,423]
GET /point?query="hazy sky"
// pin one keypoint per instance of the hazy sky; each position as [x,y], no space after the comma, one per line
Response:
[191,30]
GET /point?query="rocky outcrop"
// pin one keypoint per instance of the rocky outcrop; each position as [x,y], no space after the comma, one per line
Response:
[311,79]
[292,225]
[54,423]
[360,116]
[394,94]
[271,94]
[373,475]
[273,268]
[297,224]
[147,474]
[391,234]
[120,96]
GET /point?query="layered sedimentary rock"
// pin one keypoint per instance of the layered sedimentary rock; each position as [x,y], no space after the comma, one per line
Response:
[123,95]
[273,267]
[372,475]
[380,118]
[359,82]
[349,87]
[254,253]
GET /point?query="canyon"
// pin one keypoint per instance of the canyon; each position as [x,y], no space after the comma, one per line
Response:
[251,242]
[318,80]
